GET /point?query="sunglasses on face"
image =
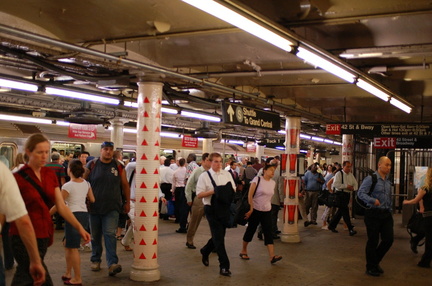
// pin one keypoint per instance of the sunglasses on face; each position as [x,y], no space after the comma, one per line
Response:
[107,144]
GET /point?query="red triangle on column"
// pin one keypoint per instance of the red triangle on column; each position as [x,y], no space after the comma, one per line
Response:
[155,186]
[155,200]
[156,171]
[142,228]
[156,157]
[143,186]
[155,213]
[143,171]
[142,242]
[154,256]
[154,242]
[143,214]
[146,100]
[145,128]
[142,256]
[157,143]
[144,157]
[144,143]
[159,101]
[158,115]
[143,200]
[157,129]
[146,114]
[155,228]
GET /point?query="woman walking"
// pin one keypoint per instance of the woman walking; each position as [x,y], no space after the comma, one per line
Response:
[259,197]
[425,194]
[39,188]
[75,193]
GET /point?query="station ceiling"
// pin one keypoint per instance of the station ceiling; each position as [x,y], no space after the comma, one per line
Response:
[389,41]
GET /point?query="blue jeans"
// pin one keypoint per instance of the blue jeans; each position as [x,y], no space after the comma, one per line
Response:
[106,225]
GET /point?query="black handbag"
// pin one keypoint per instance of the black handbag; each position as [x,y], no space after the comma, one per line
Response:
[243,206]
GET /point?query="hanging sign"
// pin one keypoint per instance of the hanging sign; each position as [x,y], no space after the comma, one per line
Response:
[248,116]
[85,131]
[189,141]
[387,130]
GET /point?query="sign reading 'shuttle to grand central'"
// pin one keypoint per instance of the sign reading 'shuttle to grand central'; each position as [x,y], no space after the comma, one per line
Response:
[248,116]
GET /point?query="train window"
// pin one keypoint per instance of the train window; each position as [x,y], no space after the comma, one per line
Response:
[65,148]
[8,153]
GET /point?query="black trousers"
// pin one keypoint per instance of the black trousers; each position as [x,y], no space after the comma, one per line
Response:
[22,276]
[379,225]
[427,256]
[342,211]
[181,207]
[166,190]
[217,241]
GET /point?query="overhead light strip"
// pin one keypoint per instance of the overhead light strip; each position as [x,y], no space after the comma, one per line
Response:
[373,90]
[399,104]
[81,95]
[230,16]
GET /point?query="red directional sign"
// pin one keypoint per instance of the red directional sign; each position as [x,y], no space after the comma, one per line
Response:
[333,129]
[85,131]
[385,143]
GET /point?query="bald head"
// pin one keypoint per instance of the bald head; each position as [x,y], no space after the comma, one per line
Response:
[384,166]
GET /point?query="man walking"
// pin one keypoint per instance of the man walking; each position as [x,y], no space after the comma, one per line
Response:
[344,183]
[205,191]
[378,219]
[197,211]
[108,181]
[312,182]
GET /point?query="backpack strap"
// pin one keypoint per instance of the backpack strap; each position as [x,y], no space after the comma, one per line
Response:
[44,197]
[211,178]
[374,182]
[131,177]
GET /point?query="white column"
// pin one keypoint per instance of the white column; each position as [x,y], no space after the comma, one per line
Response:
[117,132]
[259,152]
[310,160]
[207,146]
[290,231]
[347,147]
[145,265]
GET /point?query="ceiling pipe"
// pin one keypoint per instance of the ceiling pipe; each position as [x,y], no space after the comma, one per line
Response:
[46,40]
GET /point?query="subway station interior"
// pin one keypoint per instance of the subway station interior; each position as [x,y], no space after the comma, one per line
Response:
[355,75]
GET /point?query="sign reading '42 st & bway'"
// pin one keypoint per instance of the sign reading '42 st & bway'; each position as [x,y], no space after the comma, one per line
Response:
[247,116]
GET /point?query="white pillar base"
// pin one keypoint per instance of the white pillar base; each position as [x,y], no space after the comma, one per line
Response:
[290,238]
[145,274]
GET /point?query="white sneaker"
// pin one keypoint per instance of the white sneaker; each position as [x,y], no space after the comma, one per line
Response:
[114,269]
[325,227]
[95,266]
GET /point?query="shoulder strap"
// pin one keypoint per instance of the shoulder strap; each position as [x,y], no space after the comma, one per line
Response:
[211,178]
[259,180]
[37,187]
[374,182]
[131,177]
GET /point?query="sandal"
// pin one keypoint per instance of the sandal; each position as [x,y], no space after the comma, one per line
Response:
[65,278]
[275,259]
[244,256]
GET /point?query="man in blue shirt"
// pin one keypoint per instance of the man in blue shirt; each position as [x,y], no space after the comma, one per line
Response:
[312,184]
[378,219]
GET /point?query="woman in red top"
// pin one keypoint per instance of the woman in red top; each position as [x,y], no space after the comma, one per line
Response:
[30,178]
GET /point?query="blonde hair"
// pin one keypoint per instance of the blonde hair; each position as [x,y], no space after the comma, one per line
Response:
[19,159]
[428,179]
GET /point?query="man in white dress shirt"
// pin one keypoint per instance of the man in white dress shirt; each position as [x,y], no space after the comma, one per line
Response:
[205,190]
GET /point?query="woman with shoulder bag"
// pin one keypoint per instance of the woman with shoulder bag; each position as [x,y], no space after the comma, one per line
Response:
[260,212]
[425,194]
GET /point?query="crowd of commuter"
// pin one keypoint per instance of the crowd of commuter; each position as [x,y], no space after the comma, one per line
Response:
[188,192]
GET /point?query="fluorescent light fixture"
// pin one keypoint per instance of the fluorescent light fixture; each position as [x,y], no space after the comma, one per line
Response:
[303,151]
[131,104]
[280,148]
[170,135]
[304,136]
[200,116]
[220,11]
[169,110]
[318,139]
[360,55]
[337,143]
[321,62]
[62,123]
[129,130]
[81,96]
[235,142]
[399,104]
[25,119]
[18,85]
[282,132]
[328,141]
[372,89]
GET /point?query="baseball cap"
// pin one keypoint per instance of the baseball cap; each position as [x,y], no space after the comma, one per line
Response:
[107,144]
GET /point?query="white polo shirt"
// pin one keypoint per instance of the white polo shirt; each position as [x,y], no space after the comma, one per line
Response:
[204,183]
